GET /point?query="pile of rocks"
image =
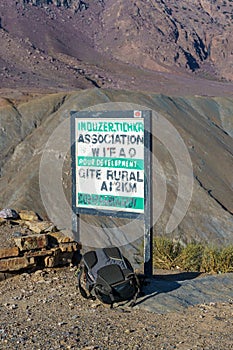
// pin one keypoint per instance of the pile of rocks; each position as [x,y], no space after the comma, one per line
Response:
[35,244]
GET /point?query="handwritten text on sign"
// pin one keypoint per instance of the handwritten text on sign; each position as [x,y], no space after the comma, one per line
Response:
[110,164]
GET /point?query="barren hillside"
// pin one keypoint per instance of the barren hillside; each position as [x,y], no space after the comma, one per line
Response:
[205,124]
[161,46]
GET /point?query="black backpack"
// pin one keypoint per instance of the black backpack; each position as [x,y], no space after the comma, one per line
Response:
[109,276]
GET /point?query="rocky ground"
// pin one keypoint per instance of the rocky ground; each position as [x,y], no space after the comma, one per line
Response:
[43,310]
[161,46]
[8,232]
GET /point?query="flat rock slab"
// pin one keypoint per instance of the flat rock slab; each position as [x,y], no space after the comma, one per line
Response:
[175,292]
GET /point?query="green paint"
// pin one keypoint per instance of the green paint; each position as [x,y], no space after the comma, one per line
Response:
[107,162]
[95,200]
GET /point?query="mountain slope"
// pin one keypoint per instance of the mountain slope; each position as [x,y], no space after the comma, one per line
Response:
[198,120]
[143,45]
[160,35]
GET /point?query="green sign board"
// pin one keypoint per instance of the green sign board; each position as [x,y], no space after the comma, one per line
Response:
[109,162]
[112,168]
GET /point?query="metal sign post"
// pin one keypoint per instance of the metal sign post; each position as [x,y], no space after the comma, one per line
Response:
[148,213]
[111,168]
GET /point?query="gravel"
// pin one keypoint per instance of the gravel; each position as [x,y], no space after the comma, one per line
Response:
[9,231]
[43,310]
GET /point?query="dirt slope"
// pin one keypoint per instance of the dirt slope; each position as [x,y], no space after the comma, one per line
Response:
[162,46]
[204,124]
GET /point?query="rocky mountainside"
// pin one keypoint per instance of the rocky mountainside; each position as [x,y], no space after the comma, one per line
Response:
[163,35]
[160,34]
[205,124]
[143,45]
[176,51]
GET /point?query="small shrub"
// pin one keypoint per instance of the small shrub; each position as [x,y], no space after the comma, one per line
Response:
[210,260]
[194,257]
[165,253]
[226,259]
[191,257]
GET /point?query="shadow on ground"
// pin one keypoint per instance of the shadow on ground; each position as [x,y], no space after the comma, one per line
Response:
[163,284]
[173,292]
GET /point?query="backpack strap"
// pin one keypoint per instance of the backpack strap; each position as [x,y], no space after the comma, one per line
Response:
[133,303]
[81,289]
[110,292]
[105,276]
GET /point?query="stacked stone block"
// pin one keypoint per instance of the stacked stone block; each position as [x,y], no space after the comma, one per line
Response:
[42,246]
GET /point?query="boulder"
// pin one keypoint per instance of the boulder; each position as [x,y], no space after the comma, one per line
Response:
[8,213]
[59,237]
[69,247]
[15,264]
[59,259]
[40,226]
[28,215]
[54,260]
[31,242]
[9,252]
[2,221]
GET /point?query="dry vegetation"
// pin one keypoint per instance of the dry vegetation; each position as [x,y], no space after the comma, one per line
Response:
[194,257]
